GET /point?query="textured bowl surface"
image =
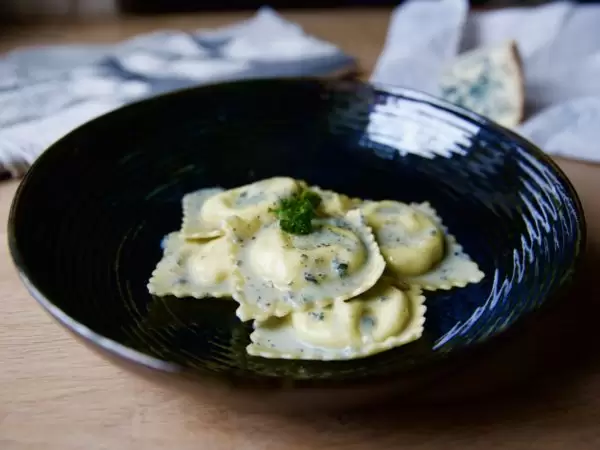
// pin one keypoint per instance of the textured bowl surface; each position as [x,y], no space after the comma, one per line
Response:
[87,222]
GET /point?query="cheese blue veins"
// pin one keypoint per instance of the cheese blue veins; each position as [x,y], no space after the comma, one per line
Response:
[489,81]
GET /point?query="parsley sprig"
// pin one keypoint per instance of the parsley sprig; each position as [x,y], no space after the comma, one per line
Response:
[296,213]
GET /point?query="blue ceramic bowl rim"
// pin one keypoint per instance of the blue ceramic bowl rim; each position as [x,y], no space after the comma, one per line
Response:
[137,357]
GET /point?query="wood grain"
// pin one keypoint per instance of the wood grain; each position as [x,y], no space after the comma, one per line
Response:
[540,389]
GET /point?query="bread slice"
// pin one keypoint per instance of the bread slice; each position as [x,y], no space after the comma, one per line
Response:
[488,81]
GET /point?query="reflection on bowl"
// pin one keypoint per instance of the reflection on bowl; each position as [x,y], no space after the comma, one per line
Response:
[87,221]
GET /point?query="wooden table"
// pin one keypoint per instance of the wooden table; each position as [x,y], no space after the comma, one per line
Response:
[56,394]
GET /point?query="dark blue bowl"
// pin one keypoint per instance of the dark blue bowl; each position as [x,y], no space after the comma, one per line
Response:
[86,223]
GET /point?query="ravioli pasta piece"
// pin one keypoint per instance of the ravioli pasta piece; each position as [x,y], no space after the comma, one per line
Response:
[205,210]
[417,247]
[411,242]
[382,318]
[193,268]
[277,273]
[193,226]
[333,203]
[456,269]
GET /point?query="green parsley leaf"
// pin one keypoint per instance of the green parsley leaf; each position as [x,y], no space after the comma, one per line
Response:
[296,213]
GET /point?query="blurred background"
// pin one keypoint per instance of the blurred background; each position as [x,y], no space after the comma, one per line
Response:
[33,9]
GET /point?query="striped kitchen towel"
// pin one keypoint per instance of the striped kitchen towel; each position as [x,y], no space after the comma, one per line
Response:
[45,92]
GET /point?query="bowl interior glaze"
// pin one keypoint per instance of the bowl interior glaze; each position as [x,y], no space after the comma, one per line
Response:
[87,222]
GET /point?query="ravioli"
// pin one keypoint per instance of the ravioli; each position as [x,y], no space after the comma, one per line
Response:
[382,318]
[277,272]
[333,203]
[413,241]
[205,210]
[410,241]
[323,276]
[193,268]
[456,269]
[193,225]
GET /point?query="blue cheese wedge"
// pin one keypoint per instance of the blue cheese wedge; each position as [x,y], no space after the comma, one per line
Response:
[488,81]
[384,317]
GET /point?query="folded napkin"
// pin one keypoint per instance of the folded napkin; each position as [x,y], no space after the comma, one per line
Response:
[559,47]
[45,92]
